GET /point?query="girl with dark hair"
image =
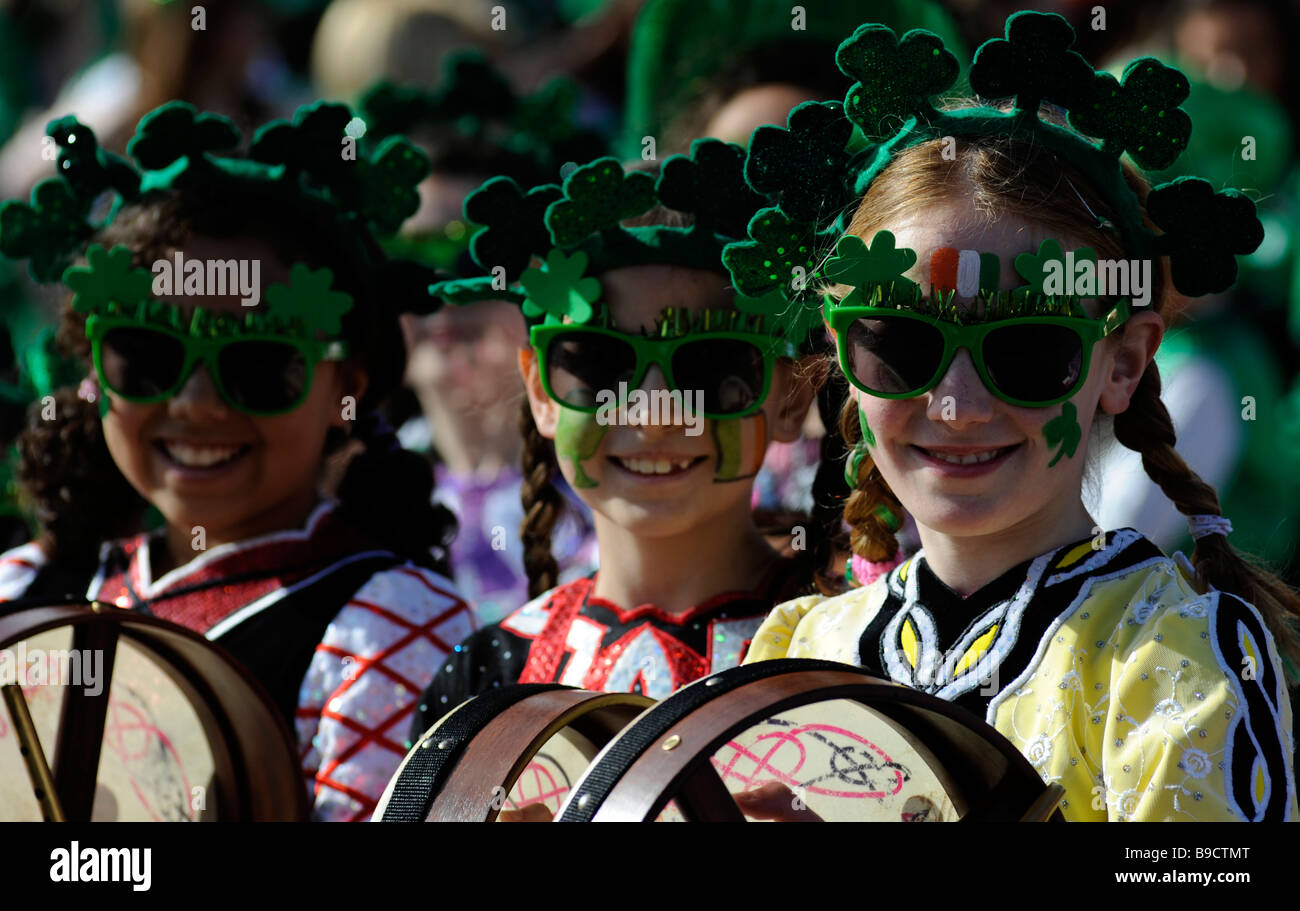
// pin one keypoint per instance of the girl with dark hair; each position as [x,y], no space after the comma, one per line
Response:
[987,329]
[654,391]
[220,409]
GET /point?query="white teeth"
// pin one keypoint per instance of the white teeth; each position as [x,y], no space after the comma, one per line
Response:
[973,459]
[655,466]
[196,457]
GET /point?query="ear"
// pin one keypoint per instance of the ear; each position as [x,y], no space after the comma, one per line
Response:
[794,386]
[1133,350]
[546,411]
[349,379]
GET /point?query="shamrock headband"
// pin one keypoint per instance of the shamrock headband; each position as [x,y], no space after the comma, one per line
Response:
[576,229]
[816,178]
[311,160]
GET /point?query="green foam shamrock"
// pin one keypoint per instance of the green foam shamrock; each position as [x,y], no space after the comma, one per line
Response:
[710,182]
[313,143]
[1204,232]
[1140,115]
[854,263]
[1034,62]
[388,182]
[108,278]
[558,288]
[515,224]
[1035,270]
[548,115]
[46,231]
[176,130]
[768,261]
[895,78]
[597,197]
[308,299]
[1064,431]
[805,163]
[85,166]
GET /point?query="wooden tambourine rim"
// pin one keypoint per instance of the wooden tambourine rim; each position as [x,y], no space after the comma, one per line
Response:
[668,756]
[486,756]
[255,763]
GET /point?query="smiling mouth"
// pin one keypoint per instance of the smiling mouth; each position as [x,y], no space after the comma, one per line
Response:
[188,455]
[656,467]
[978,457]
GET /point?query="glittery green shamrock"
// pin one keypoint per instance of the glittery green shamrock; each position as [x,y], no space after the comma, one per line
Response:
[47,231]
[389,109]
[89,169]
[1140,115]
[805,163]
[710,182]
[1204,231]
[515,224]
[558,288]
[597,197]
[308,300]
[778,246]
[176,130]
[1064,431]
[108,278]
[1034,63]
[854,263]
[895,77]
[1037,271]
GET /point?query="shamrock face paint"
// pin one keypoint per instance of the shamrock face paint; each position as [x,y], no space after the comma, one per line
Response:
[1063,431]
[577,437]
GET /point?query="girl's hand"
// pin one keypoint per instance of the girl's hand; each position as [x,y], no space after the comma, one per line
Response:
[774,802]
[534,812]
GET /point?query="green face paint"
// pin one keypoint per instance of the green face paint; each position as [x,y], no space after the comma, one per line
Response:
[577,437]
[741,444]
[867,436]
[1063,430]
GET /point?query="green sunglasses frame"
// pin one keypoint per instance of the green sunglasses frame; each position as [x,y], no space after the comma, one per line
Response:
[971,337]
[206,350]
[658,351]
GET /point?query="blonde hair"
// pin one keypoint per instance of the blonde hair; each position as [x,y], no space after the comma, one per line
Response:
[1007,177]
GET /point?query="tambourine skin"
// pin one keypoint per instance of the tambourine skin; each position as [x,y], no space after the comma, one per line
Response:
[665,754]
[256,774]
[461,768]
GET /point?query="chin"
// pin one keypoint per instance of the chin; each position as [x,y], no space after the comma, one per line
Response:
[969,517]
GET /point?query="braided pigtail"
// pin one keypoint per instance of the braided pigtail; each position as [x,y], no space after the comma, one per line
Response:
[1146,428]
[827,536]
[543,504]
[871,504]
[386,493]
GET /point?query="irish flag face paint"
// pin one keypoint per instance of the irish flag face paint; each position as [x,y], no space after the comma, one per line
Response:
[577,437]
[968,272]
[741,445]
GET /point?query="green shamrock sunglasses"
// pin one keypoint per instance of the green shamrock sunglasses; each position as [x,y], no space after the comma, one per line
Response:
[731,370]
[257,373]
[1029,361]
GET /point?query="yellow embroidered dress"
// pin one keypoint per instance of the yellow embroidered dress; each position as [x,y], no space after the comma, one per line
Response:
[1144,699]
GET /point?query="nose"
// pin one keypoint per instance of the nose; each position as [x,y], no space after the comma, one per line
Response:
[960,399]
[660,411]
[198,399]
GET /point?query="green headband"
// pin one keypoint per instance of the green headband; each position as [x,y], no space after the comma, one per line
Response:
[575,230]
[311,160]
[808,166]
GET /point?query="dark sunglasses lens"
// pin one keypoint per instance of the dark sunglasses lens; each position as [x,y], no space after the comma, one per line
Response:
[263,376]
[141,363]
[728,372]
[580,364]
[1033,363]
[894,355]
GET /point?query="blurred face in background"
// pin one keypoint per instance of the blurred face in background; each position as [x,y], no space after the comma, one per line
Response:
[463,359]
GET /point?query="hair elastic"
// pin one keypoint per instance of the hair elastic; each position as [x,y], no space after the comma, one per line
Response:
[1207,524]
